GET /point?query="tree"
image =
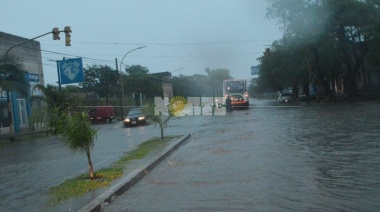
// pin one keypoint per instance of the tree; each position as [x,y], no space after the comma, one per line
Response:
[58,103]
[78,135]
[216,78]
[101,79]
[160,119]
[139,80]
[66,119]
[353,33]
[12,79]
[184,86]
[281,67]
[330,29]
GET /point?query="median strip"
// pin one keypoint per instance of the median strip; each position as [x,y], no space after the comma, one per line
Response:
[131,179]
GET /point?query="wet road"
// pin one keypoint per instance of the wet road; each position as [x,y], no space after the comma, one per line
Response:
[318,157]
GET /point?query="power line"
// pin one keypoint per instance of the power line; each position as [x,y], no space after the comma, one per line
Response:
[170,44]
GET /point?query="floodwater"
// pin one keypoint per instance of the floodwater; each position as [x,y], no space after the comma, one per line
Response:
[29,168]
[311,157]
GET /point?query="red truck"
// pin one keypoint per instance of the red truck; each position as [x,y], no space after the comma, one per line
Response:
[101,114]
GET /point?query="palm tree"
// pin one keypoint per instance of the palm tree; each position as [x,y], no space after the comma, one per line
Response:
[71,123]
[12,79]
[79,136]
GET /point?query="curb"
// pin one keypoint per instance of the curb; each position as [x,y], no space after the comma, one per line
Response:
[131,179]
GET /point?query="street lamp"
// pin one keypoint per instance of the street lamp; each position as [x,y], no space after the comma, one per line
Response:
[121,79]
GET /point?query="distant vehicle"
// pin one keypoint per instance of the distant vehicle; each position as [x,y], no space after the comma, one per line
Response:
[101,114]
[238,101]
[235,87]
[285,97]
[135,117]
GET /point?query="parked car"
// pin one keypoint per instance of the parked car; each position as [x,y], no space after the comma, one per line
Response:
[135,117]
[101,114]
[285,97]
[239,101]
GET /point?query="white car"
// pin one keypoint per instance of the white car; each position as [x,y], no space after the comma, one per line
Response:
[285,97]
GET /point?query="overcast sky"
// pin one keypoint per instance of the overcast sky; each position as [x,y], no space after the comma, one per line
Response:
[182,36]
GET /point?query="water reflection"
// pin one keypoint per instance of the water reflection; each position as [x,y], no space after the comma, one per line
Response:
[316,157]
[344,151]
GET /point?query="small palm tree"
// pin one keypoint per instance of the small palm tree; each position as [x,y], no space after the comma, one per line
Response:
[12,79]
[79,136]
[160,119]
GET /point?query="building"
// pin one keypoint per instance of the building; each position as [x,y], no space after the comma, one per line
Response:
[30,55]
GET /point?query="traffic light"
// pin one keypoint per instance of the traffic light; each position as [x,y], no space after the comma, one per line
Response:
[68,36]
[55,32]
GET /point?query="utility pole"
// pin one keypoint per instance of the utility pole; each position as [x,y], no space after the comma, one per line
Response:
[107,86]
[120,103]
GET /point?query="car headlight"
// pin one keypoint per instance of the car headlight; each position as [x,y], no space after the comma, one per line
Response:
[141,118]
[126,120]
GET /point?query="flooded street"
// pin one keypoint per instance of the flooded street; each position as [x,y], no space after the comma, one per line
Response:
[29,168]
[315,157]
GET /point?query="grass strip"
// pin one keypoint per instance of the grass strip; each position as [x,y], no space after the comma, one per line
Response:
[81,185]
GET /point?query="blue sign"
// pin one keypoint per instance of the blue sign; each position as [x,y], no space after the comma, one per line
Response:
[34,78]
[71,71]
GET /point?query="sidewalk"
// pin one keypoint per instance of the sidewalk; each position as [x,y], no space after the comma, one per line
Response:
[4,133]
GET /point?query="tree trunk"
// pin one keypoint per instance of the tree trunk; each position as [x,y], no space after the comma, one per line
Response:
[162,133]
[306,90]
[351,84]
[319,72]
[333,91]
[10,117]
[295,90]
[91,168]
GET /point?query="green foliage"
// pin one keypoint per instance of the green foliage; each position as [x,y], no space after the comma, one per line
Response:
[57,120]
[55,97]
[59,103]
[77,132]
[72,89]
[12,76]
[38,117]
[98,77]
[143,150]
[140,81]
[160,120]
[81,185]
[136,70]
[326,39]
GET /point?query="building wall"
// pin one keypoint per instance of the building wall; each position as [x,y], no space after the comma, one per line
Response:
[30,55]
